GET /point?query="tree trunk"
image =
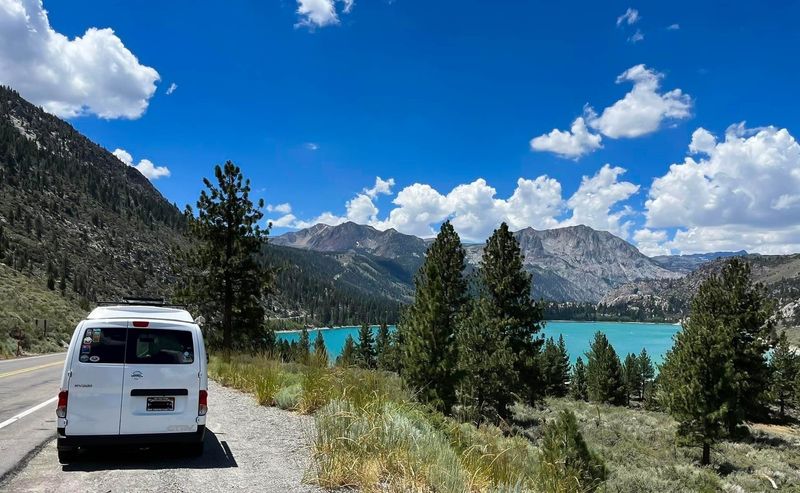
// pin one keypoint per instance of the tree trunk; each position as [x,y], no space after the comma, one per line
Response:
[706,454]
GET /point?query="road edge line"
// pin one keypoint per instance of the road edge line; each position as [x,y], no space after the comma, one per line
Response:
[14,419]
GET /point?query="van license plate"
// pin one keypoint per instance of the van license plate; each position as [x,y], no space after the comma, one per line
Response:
[160,403]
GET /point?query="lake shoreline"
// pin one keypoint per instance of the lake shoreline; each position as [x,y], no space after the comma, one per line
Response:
[295,331]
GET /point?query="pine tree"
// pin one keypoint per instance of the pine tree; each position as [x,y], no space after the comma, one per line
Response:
[366,347]
[566,463]
[630,376]
[784,365]
[320,351]
[348,355]
[224,278]
[498,348]
[383,348]
[429,351]
[604,372]
[554,367]
[698,377]
[744,313]
[303,354]
[578,387]
[646,372]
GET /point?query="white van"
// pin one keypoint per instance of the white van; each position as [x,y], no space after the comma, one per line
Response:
[134,374]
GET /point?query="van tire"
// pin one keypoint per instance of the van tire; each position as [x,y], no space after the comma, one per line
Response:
[67,456]
[194,449]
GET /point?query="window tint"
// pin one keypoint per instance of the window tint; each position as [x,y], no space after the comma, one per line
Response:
[159,347]
[103,345]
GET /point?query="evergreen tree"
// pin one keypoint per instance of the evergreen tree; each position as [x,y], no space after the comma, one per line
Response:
[383,348]
[429,351]
[566,463]
[784,366]
[578,388]
[604,372]
[630,376]
[320,351]
[224,278]
[554,367]
[646,372]
[697,379]
[348,355]
[303,348]
[366,347]
[498,348]
[742,310]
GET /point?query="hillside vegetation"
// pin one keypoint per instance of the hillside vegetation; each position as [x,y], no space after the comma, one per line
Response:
[22,300]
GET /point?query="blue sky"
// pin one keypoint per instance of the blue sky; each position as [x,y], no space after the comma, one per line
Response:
[314,99]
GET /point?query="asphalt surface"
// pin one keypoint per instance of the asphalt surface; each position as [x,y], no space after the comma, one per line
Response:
[26,383]
[248,447]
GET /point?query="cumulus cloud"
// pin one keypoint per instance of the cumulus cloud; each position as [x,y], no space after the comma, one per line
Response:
[741,192]
[171,88]
[321,13]
[651,242]
[595,198]
[644,108]
[90,74]
[284,208]
[673,27]
[641,111]
[381,187]
[145,166]
[571,144]
[630,17]
[475,209]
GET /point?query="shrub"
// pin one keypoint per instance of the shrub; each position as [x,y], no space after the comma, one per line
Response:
[566,463]
[289,397]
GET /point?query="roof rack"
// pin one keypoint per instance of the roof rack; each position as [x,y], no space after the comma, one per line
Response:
[141,301]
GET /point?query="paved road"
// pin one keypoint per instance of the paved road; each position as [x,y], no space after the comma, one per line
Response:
[247,448]
[28,387]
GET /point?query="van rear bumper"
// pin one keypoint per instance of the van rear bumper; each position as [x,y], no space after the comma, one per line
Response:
[71,442]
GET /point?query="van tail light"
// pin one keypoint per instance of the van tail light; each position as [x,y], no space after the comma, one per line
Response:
[61,409]
[202,405]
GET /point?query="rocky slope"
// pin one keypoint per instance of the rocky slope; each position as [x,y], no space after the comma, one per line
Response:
[779,273]
[569,264]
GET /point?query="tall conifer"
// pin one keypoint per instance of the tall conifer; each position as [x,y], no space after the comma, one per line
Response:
[604,372]
[366,347]
[578,387]
[429,348]
[784,366]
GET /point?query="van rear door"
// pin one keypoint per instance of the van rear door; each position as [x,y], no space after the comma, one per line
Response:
[161,379]
[95,381]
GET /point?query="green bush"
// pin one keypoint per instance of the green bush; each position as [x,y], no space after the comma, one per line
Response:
[566,463]
[289,397]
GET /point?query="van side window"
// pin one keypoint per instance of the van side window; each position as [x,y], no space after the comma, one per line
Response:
[103,345]
[159,347]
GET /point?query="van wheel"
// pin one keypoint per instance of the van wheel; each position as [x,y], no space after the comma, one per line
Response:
[194,449]
[67,456]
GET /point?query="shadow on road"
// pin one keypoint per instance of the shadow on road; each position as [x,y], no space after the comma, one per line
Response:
[216,455]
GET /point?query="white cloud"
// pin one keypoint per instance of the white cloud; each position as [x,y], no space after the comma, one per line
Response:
[381,187]
[90,74]
[475,209]
[741,193]
[321,13]
[284,221]
[651,242]
[630,17]
[673,27]
[284,208]
[592,203]
[571,144]
[171,88]
[636,37]
[145,166]
[643,109]
[312,146]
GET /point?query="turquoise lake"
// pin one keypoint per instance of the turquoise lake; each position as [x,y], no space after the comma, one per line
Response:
[625,337]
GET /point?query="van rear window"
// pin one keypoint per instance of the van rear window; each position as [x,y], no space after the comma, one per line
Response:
[159,347]
[103,345]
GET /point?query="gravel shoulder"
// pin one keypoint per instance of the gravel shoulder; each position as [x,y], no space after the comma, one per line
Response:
[248,448]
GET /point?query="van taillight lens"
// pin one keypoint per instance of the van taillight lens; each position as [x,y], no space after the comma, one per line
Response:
[202,406]
[61,409]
